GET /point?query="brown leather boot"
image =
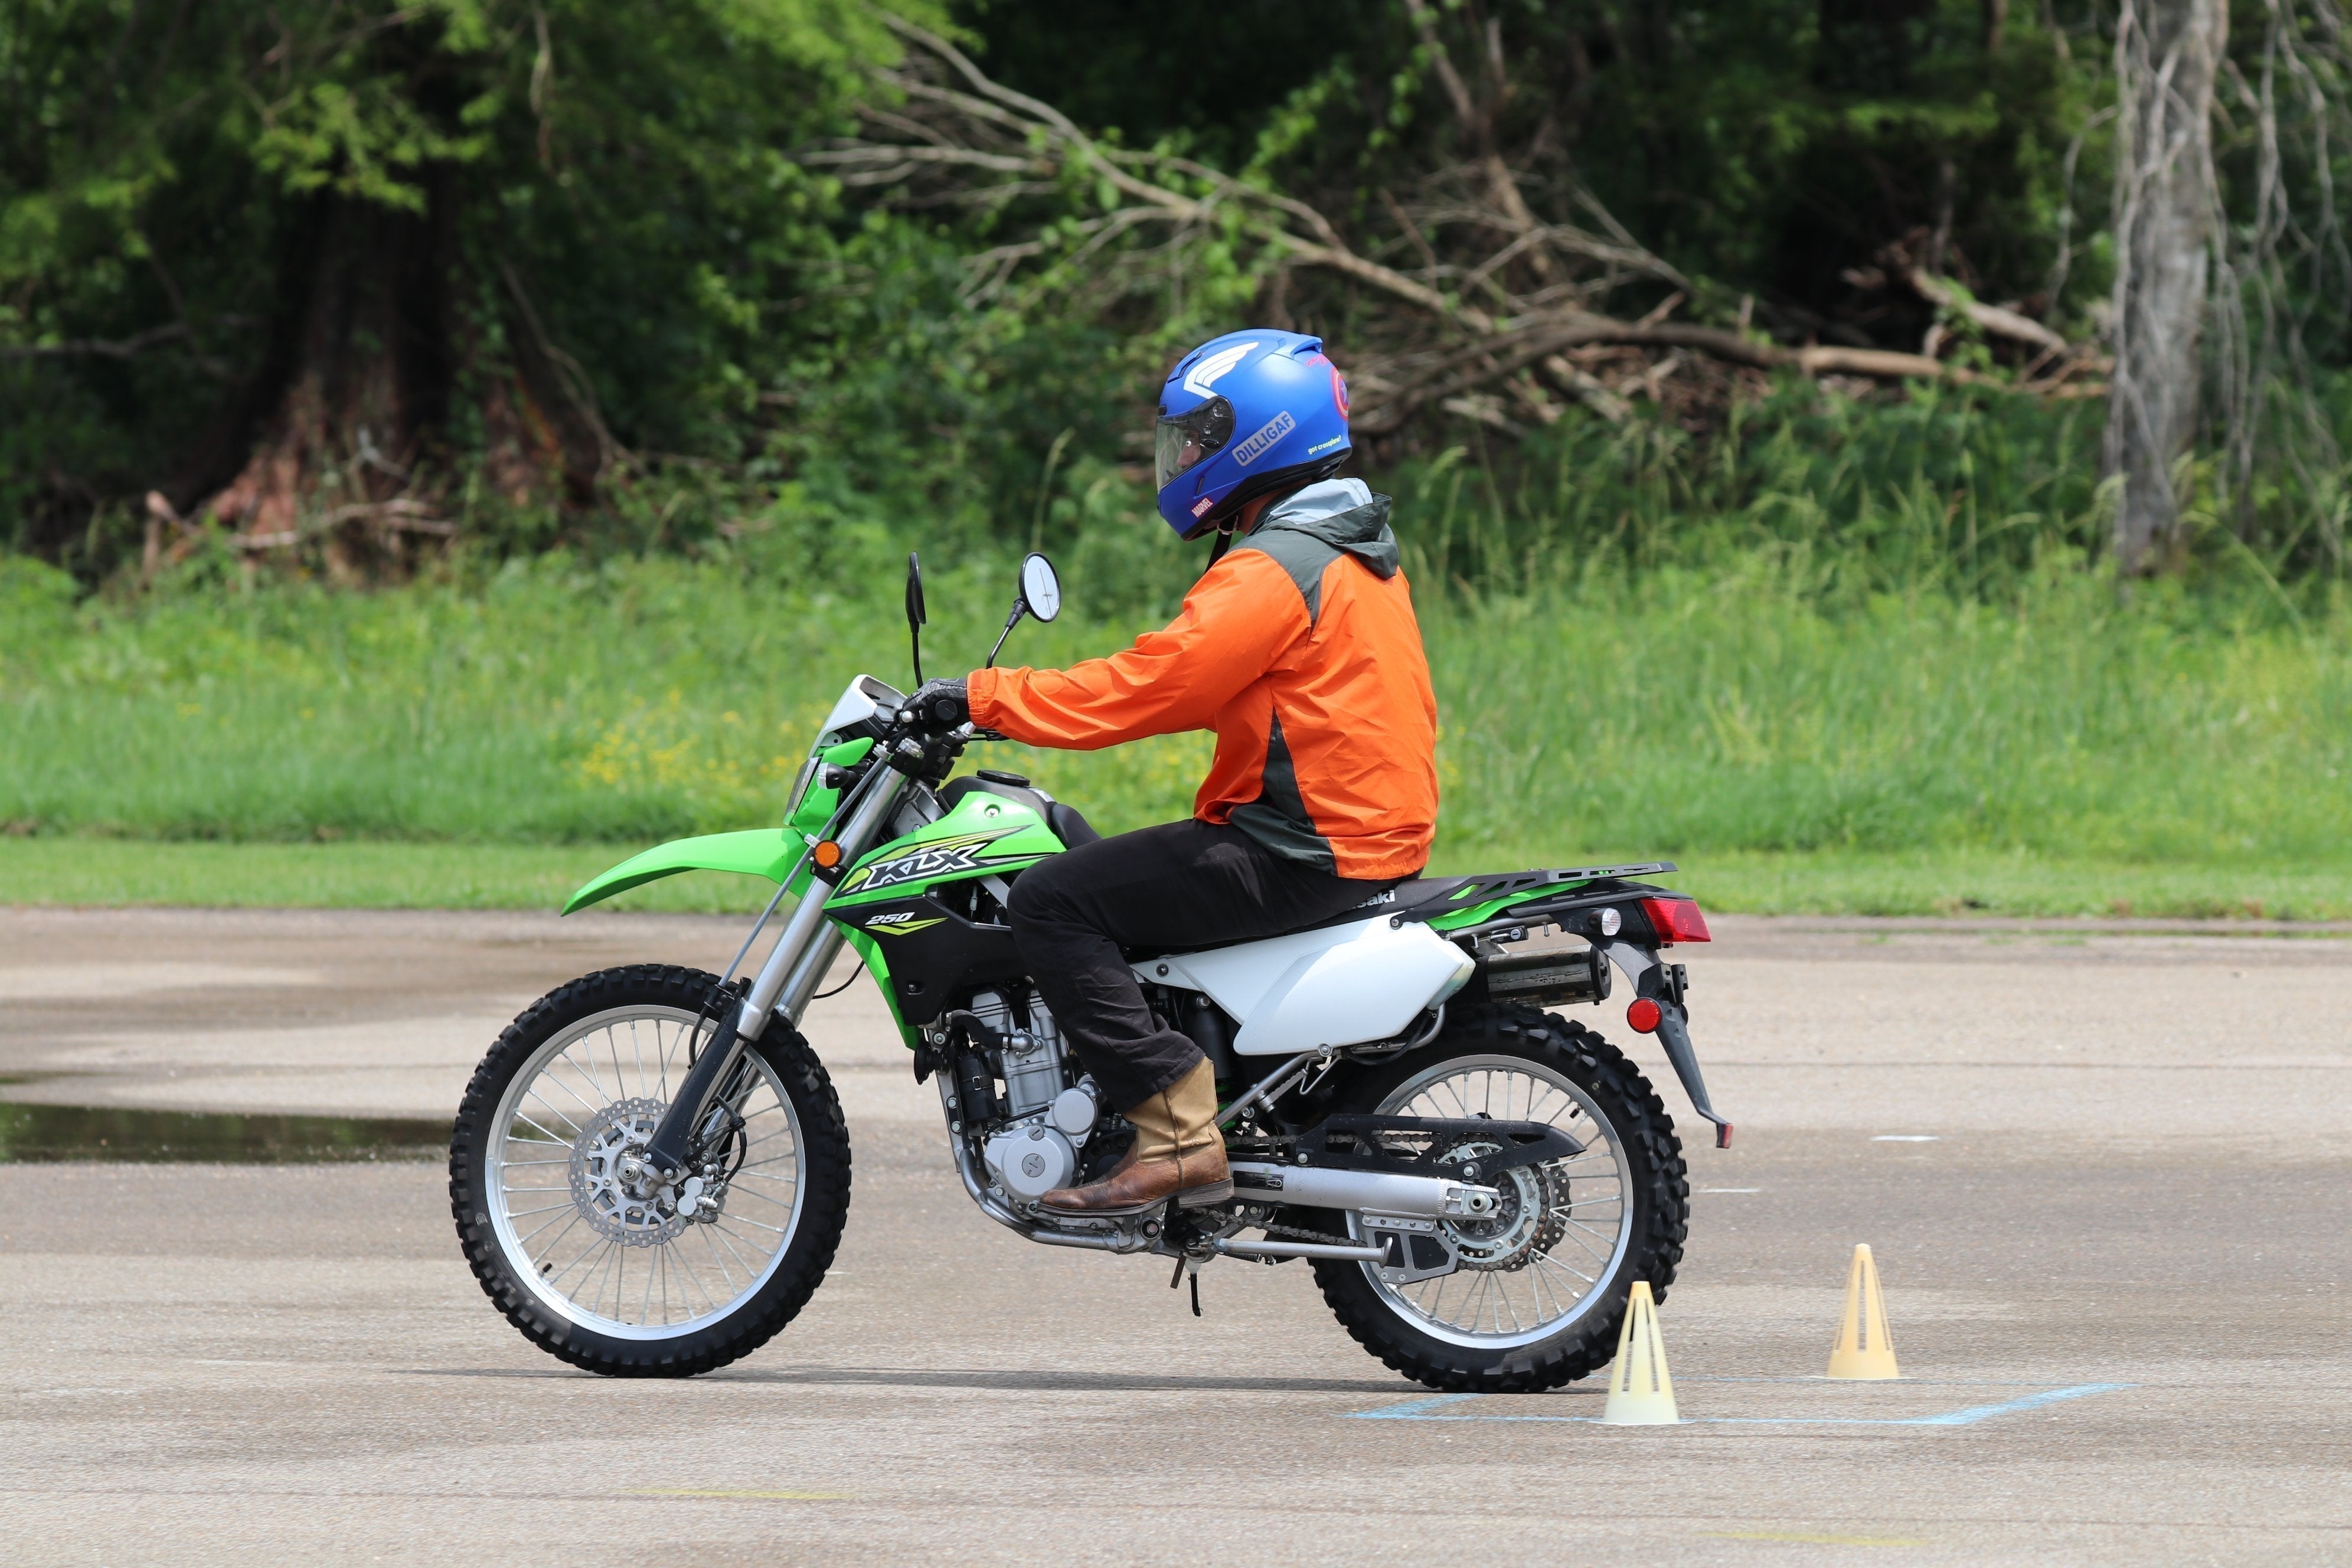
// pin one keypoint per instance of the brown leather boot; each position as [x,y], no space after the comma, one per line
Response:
[1177,1154]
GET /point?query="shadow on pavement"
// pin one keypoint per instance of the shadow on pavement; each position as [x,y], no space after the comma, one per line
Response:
[1011,1381]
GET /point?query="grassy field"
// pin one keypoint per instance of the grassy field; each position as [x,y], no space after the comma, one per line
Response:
[493,742]
[113,871]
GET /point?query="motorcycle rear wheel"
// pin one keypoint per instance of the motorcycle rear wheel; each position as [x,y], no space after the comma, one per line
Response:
[601,1280]
[1542,1293]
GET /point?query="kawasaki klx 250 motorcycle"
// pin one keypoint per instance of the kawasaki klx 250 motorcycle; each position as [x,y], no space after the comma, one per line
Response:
[650,1170]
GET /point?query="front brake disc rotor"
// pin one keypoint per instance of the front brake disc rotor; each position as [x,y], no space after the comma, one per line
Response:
[605,1201]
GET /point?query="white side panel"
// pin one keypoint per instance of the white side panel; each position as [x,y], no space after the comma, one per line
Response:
[1337,986]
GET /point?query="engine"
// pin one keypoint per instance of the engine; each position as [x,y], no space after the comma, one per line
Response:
[1050,1115]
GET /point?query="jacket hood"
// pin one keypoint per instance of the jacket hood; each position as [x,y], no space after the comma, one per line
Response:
[1341,513]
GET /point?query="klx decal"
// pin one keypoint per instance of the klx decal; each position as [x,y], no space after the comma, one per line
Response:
[939,858]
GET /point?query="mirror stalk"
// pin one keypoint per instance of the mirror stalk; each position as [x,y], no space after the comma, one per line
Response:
[917,613]
[1019,608]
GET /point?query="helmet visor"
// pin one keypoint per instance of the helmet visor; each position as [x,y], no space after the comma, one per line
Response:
[1182,440]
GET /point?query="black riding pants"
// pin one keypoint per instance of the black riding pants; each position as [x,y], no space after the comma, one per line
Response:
[1180,885]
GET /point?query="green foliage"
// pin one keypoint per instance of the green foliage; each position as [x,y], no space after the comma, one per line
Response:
[177,183]
[1681,711]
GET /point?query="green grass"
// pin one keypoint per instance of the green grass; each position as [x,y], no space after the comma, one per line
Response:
[367,876]
[494,742]
[114,872]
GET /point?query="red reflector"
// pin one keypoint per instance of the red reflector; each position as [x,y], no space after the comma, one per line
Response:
[1643,1015]
[1675,920]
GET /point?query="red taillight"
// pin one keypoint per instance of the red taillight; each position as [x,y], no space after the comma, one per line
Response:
[1643,1015]
[1675,919]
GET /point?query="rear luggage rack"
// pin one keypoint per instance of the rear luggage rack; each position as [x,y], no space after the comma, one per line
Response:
[1463,891]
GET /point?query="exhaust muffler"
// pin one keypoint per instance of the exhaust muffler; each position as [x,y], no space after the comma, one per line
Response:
[1365,1192]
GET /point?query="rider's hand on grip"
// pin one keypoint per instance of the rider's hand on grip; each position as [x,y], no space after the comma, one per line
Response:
[937,707]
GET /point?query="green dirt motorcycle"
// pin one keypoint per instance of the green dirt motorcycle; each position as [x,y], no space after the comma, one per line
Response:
[650,1170]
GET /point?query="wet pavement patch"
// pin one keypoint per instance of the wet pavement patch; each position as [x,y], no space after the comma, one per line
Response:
[54,1132]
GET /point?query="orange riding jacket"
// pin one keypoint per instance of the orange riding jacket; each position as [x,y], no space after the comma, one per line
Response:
[1300,650]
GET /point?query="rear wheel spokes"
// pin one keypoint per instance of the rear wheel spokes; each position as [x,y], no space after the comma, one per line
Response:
[588,1247]
[1562,1238]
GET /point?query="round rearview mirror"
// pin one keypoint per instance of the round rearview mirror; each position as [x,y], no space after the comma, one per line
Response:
[1040,589]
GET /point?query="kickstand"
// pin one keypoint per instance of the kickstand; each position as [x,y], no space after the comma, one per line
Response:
[1190,1266]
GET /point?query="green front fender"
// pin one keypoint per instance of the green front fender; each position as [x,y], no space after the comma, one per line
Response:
[761,852]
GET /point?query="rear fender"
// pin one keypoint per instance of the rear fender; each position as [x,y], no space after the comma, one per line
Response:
[1642,967]
[768,852]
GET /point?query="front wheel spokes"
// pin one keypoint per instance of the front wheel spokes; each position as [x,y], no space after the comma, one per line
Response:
[612,1256]
[1521,1287]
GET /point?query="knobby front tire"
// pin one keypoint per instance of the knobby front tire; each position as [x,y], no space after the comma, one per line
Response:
[625,1292]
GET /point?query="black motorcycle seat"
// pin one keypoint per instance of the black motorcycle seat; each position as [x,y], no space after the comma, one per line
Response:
[1424,898]
[1410,892]
[1068,826]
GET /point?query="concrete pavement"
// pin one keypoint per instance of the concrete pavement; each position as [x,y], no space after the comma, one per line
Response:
[2112,1238]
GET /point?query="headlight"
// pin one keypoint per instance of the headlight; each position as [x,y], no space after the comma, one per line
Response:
[801,786]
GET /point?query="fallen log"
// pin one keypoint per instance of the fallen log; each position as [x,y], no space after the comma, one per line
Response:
[1993,319]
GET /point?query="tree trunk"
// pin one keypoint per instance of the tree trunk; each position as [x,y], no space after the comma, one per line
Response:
[344,442]
[358,391]
[2167,206]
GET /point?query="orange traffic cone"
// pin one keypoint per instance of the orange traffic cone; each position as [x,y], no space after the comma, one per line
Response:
[1641,1390]
[1864,1348]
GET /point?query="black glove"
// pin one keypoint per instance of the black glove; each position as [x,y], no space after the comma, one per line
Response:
[940,706]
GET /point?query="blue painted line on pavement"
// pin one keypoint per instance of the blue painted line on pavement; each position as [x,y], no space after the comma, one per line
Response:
[1975,1414]
[1418,1409]
[1437,1408]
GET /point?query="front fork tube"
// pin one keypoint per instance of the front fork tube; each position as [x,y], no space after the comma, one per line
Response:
[1641,966]
[795,966]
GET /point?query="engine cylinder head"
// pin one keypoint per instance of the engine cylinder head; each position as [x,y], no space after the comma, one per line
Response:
[1031,1058]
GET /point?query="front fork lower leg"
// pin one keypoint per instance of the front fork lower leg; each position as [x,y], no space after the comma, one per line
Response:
[804,950]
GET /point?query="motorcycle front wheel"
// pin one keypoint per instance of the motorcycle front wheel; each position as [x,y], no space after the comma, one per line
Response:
[668,1284]
[1539,1291]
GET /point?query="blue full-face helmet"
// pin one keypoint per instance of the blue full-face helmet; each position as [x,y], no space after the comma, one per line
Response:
[1243,414]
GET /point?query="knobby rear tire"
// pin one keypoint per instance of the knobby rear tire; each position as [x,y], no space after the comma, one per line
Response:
[1659,1187]
[760,1315]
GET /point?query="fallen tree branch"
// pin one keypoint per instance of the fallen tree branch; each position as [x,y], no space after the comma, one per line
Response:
[966,138]
[399,515]
[1992,318]
[1496,358]
[123,349]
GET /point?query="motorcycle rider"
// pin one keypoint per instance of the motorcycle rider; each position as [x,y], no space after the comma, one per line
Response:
[1299,648]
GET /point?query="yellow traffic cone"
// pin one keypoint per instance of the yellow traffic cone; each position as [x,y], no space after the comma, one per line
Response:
[1864,1348]
[1641,1390]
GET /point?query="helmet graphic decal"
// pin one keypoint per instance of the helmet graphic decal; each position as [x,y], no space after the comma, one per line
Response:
[1203,377]
[1274,430]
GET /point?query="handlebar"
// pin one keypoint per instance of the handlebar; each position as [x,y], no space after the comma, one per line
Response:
[924,751]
